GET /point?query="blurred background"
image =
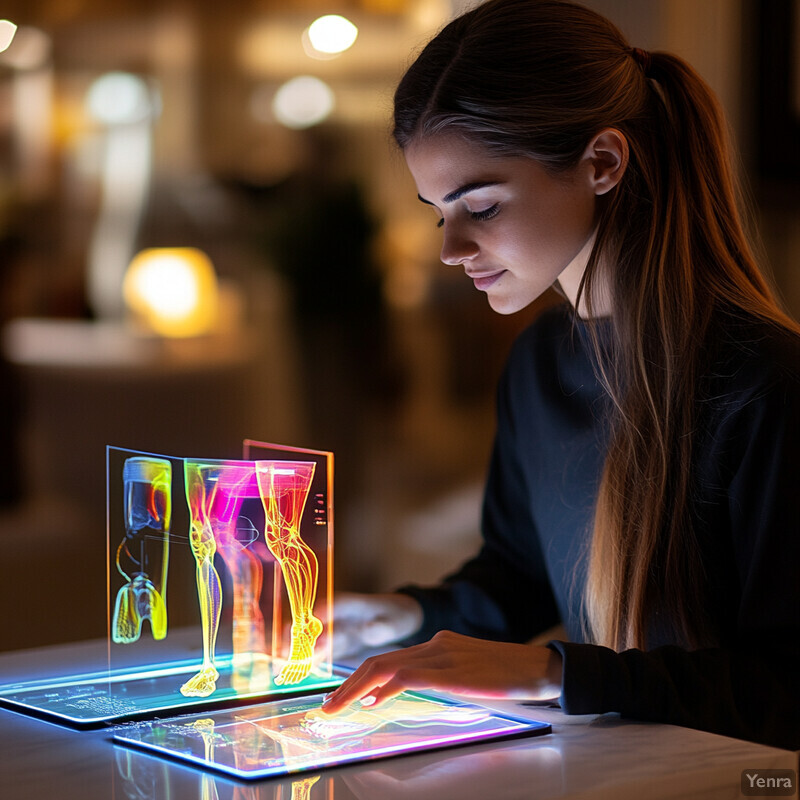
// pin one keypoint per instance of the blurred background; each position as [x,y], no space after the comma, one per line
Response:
[236,154]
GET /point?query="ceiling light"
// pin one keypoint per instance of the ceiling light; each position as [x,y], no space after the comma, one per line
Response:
[302,102]
[7,31]
[332,34]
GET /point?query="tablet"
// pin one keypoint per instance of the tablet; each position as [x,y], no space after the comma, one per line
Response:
[290,736]
[93,700]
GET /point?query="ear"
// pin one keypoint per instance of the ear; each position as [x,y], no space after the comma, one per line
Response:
[607,156]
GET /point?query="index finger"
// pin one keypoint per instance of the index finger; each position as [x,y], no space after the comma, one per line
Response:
[371,675]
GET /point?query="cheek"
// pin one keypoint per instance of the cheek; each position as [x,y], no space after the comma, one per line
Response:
[566,225]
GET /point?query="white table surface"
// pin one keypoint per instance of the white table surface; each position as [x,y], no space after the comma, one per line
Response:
[585,757]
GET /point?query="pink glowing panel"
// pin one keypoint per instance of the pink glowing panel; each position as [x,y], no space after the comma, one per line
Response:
[216,492]
[302,542]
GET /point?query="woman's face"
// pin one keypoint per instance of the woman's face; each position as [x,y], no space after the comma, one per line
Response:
[514,228]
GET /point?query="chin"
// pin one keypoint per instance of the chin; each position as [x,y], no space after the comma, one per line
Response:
[508,305]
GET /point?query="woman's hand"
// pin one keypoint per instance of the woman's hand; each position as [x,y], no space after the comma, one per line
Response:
[454,663]
[364,621]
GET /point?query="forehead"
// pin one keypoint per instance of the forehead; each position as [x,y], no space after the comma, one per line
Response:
[449,156]
[443,163]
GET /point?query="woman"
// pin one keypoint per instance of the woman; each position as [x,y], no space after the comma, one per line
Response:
[641,485]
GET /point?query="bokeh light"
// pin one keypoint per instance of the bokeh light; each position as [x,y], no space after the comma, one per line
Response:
[119,98]
[332,34]
[7,31]
[173,291]
[302,102]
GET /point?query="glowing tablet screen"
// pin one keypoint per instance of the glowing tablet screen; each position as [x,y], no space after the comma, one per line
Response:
[289,736]
[91,700]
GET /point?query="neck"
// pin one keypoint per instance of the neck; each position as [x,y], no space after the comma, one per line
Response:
[570,280]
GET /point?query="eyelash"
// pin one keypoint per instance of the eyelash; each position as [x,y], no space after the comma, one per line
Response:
[488,213]
[479,216]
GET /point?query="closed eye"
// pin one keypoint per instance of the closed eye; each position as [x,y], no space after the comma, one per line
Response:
[478,216]
[487,213]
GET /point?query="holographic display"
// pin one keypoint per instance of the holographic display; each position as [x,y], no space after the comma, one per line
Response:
[219,596]
[291,736]
[217,571]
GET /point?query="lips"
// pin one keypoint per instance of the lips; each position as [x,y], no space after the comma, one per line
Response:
[485,280]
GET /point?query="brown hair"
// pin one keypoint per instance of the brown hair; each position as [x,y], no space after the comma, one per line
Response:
[538,79]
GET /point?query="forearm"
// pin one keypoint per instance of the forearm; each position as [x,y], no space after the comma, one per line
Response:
[488,598]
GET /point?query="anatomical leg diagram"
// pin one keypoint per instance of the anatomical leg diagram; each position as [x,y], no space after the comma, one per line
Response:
[143,555]
[405,710]
[284,487]
[215,493]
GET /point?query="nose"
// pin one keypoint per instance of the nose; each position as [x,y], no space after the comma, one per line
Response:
[457,248]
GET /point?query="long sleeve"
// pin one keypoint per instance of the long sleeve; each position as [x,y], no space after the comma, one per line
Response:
[748,694]
[503,593]
[745,507]
[539,494]
[749,687]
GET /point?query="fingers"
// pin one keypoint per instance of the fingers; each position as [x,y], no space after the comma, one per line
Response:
[453,663]
[395,686]
[377,677]
[338,701]
[363,682]
[385,676]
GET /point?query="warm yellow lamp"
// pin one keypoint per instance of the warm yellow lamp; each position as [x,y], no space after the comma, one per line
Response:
[173,291]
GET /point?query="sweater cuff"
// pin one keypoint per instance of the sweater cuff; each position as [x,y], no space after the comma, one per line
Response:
[592,678]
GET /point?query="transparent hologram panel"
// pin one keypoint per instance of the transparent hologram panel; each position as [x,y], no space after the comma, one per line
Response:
[303,599]
[284,487]
[142,557]
[241,543]
[294,735]
[148,541]
[215,492]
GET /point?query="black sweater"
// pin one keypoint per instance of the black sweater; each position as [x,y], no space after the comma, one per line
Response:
[542,485]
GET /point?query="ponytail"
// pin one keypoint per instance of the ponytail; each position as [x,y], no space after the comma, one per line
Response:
[538,79]
[681,262]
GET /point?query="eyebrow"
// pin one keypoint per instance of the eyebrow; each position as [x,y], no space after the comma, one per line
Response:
[461,191]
